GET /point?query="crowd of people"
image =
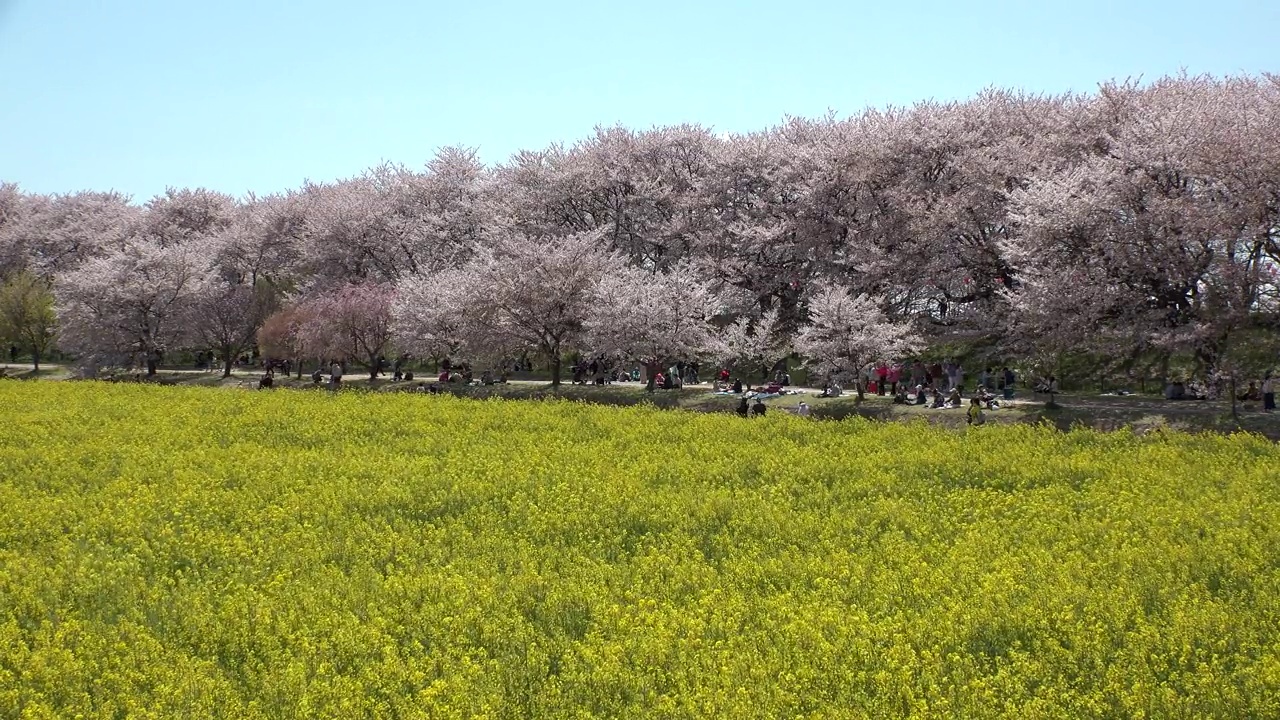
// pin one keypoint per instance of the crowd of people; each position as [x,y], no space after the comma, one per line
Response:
[937,384]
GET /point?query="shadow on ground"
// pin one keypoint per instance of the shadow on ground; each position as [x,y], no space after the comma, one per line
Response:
[1140,414]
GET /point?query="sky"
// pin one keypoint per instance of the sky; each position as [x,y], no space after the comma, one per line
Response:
[260,95]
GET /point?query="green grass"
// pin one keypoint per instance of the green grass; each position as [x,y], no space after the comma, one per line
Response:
[1142,413]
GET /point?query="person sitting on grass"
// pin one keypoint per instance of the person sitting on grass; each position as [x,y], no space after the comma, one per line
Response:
[316,377]
[737,385]
[267,380]
[900,395]
[987,399]
[921,398]
[975,412]
[938,401]
[954,400]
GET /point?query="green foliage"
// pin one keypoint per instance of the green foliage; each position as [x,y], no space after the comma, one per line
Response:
[201,553]
[27,318]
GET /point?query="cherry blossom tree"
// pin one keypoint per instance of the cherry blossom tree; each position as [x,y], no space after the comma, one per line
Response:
[756,203]
[13,207]
[753,342]
[264,241]
[1154,246]
[246,266]
[127,304]
[392,222]
[524,294]
[56,233]
[285,334]
[353,323]
[181,215]
[846,332]
[346,229]
[654,318]
[636,188]
[224,314]
[431,315]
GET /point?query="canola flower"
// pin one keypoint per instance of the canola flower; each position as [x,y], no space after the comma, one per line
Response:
[203,553]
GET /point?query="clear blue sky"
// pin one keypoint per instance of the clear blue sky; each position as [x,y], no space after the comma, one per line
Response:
[237,95]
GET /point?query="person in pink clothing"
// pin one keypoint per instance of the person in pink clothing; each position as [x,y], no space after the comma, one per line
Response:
[882,377]
[895,377]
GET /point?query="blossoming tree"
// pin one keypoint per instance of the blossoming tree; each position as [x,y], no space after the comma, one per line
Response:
[846,332]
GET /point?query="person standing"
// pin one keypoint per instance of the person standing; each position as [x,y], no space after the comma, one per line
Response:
[335,376]
[1268,393]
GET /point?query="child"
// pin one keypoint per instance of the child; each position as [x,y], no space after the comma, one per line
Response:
[975,412]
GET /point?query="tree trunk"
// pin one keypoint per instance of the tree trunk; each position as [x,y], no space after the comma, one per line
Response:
[1231,384]
[299,361]
[151,364]
[226,364]
[651,367]
[35,362]
[555,368]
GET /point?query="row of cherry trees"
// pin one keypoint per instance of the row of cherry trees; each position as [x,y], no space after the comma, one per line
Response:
[1137,223]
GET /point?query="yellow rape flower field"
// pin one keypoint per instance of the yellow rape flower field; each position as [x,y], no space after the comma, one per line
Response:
[209,553]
